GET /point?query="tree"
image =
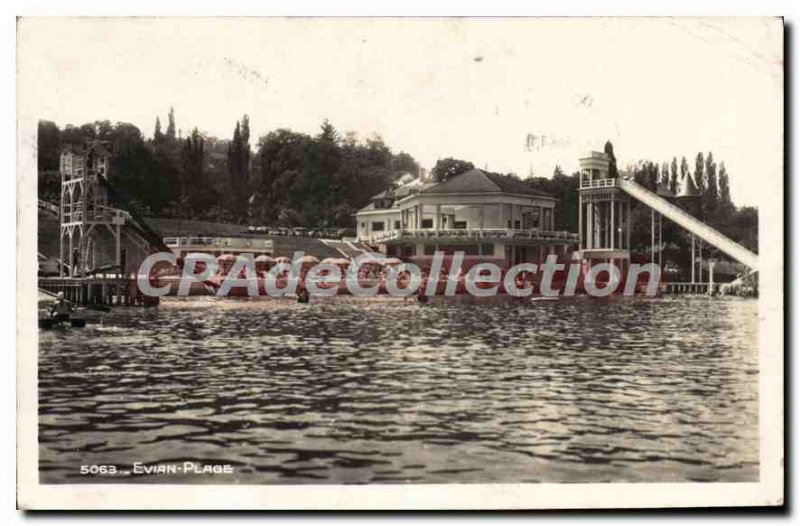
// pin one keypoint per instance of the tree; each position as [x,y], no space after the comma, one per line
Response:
[608,148]
[322,193]
[78,135]
[655,178]
[104,130]
[322,181]
[711,196]
[448,168]
[673,183]
[724,185]
[158,137]
[367,168]
[725,208]
[301,180]
[171,136]
[48,145]
[565,189]
[193,184]
[404,163]
[239,166]
[699,167]
[328,132]
[279,152]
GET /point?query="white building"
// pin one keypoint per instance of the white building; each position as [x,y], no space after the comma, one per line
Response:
[485,215]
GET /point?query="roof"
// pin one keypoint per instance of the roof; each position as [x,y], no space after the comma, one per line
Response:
[479,181]
[395,192]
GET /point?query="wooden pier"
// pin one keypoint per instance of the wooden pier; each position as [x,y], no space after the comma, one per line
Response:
[97,290]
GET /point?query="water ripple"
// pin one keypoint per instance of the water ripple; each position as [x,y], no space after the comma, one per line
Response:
[385,392]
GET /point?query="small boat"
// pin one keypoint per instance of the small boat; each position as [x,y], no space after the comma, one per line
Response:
[47,319]
[52,323]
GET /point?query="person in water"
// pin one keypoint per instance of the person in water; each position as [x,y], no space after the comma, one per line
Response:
[421,296]
[302,294]
[61,310]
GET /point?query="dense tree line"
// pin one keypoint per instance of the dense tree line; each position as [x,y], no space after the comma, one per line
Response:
[321,180]
[295,179]
[291,179]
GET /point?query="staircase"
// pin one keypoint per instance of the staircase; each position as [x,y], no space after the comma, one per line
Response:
[345,248]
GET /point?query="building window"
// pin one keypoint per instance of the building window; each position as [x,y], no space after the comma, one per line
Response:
[377,226]
[487,249]
[397,225]
[427,223]
[460,225]
[430,250]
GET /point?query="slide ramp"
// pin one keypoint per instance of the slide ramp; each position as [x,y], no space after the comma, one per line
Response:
[694,226]
[137,223]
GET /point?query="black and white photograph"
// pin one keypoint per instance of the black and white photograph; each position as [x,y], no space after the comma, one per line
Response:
[424,262]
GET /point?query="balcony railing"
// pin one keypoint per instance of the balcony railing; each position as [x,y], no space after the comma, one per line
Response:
[476,234]
[221,243]
[599,183]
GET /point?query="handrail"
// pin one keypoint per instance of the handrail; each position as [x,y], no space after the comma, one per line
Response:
[50,207]
[218,242]
[478,233]
[599,183]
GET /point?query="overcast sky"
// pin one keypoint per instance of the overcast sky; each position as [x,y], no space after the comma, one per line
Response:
[512,95]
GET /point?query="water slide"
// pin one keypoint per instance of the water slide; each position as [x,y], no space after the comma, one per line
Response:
[686,221]
[138,224]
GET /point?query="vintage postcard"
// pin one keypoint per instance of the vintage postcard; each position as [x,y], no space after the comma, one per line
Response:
[400,263]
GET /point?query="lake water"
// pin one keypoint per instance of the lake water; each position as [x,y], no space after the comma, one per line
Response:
[386,391]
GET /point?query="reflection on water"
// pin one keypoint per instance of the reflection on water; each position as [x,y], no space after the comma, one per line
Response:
[385,391]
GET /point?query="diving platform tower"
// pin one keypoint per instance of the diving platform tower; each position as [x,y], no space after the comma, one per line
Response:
[85,211]
[604,212]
